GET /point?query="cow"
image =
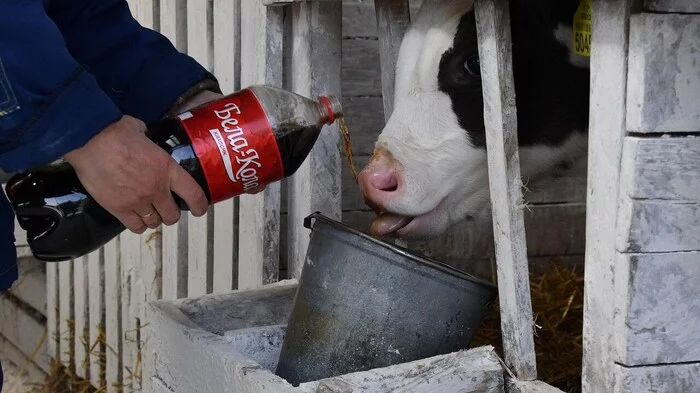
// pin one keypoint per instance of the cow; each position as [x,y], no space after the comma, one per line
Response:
[429,166]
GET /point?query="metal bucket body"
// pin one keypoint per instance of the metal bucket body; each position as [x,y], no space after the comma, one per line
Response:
[362,304]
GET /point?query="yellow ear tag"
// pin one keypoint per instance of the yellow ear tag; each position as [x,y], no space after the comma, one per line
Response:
[582,28]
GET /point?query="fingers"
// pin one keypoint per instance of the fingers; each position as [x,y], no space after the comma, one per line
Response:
[167,208]
[132,222]
[150,216]
[187,188]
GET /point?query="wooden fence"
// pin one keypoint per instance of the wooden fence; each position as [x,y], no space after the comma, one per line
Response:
[96,316]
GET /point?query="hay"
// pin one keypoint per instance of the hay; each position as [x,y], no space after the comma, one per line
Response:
[557,302]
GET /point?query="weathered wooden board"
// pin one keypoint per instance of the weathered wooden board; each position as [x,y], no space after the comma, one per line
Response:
[672,5]
[113,315]
[493,28]
[606,132]
[227,61]
[661,168]
[516,386]
[65,314]
[173,24]
[360,68]
[200,46]
[393,18]
[667,378]
[81,318]
[25,330]
[96,320]
[657,301]
[31,286]
[259,221]
[52,315]
[658,226]
[130,252]
[31,371]
[315,70]
[477,370]
[663,82]
[359,18]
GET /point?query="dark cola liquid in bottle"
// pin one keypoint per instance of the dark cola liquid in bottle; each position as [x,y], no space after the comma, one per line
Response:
[237,144]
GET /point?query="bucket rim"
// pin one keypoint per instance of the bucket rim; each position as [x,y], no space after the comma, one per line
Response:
[420,259]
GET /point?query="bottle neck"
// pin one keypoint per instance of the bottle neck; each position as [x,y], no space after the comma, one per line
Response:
[330,109]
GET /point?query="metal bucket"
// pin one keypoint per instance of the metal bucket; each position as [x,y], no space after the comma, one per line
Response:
[362,304]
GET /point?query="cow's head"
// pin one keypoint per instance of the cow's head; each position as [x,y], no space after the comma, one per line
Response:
[429,167]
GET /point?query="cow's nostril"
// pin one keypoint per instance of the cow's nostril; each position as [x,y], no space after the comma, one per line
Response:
[387,182]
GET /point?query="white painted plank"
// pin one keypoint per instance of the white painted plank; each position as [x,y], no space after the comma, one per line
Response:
[30,287]
[113,319]
[493,27]
[30,372]
[173,24]
[199,253]
[146,287]
[672,6]
[52,312]
[80,317]
[227,58]
[663,88]
[96,303]
[259,222]
[21,328]
[516,386]
[606,131]
[657,297]
[658,226]
[65,314]
[668,378]
[393,18]
[130,246]
[661,168]
[315,70]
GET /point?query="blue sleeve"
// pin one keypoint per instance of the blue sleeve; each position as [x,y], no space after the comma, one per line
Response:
[49,104]
[138,68]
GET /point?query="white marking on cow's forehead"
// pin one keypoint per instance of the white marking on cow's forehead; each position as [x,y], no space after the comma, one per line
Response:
[431,33]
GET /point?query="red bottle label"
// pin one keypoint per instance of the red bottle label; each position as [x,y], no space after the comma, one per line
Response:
[234,142]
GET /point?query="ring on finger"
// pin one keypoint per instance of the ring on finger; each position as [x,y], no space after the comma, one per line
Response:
[149,214]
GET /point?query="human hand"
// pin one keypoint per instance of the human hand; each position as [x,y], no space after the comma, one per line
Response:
[132,177]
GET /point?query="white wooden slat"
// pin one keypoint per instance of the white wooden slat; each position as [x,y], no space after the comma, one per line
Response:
[65,314]
[259,221]
[606,132]
[130,251]
[52,312]
[663,88]
[31,285]
[493,27]
[656,301]
[146,287]
[80,303]
[113,319]
[96,303]
[315,70]
[662,378]
[31,372]
[199,249]
[681,6]
[393,18]
[21,328]
[227,43]
[173,24]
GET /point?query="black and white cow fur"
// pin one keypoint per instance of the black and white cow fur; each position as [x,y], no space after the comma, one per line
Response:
[429,169]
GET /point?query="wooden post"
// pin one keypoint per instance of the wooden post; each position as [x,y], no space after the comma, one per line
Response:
[493,27]
[606,132]
[227,57]
[393,19]
[96,305]
[81,317]
[259,217]
[113,321]
[173,24]
[200,46]
[315,70]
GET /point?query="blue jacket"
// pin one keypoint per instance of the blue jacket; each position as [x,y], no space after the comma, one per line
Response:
[69,68]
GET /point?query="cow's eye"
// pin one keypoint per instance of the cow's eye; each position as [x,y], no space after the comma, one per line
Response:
[471,65]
